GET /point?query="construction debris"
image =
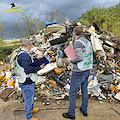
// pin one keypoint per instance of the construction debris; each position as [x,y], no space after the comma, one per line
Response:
[54,80]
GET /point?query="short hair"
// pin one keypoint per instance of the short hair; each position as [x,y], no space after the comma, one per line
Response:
[26,42]
[78,30]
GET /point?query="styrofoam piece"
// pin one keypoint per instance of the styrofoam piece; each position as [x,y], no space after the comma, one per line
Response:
[17,84]
[56,35]
[8,74]
[36,51]
[117,96]
[67,86]
[49,67]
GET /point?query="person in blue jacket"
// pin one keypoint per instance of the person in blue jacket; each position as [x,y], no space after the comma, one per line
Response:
[27,75]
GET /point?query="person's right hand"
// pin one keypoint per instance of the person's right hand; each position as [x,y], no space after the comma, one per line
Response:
[42,66]
[69,58]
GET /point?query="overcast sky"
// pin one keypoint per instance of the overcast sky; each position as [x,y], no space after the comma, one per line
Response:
[72,8]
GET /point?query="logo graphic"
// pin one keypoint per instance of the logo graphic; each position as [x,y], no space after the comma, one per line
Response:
[14,8]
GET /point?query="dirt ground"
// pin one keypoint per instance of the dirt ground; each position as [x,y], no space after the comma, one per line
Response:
[97,110]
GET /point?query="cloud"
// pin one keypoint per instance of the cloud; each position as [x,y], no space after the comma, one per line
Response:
[72,8]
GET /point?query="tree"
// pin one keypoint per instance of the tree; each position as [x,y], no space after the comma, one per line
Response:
[16,30]
[108,18]
[27,25]
[55,14]
[3,31]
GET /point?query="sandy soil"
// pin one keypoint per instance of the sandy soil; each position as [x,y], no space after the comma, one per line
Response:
[97,110]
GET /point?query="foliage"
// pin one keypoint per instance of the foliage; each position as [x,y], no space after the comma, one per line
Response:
[27,25]
[55,14]
[16,30]
[7,50]
[105,18]
[3,31]
[7,47]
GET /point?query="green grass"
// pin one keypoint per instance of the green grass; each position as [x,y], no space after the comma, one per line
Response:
[11,44]
[6,48]
[4,44]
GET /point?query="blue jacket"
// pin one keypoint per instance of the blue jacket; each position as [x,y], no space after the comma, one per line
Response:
[24,60]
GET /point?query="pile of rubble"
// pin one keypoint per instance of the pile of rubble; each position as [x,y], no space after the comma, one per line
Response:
[54,80]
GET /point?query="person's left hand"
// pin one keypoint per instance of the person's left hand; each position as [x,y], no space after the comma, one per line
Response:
[42,66]
[39,56]
[69,58]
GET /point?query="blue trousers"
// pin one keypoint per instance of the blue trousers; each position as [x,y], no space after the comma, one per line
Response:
[29,93]
[77,79]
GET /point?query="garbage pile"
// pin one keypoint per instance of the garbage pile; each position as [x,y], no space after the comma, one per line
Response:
[54,80]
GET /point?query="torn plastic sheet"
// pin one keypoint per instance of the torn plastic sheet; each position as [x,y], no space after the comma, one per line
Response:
[94,88]
[41,79]
[108,78]
[97,45]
